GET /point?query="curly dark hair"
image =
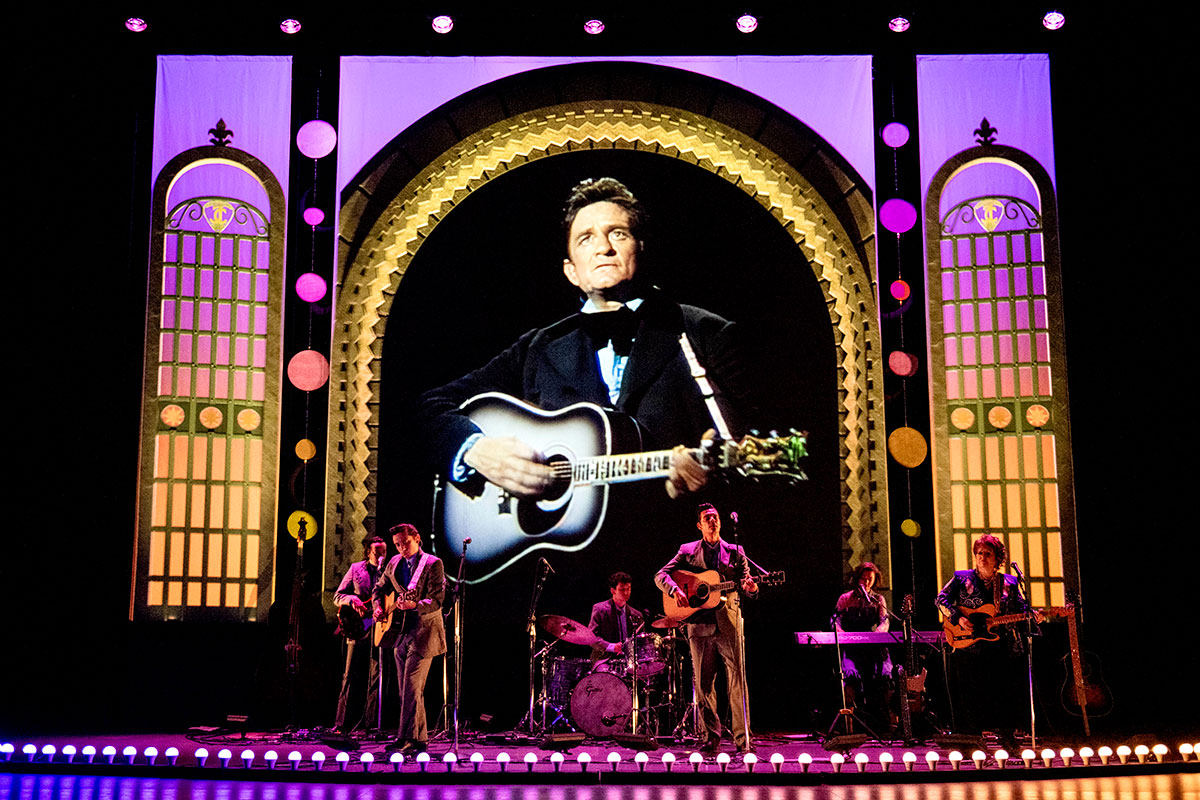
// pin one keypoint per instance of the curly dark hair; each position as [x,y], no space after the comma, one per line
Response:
[865,566]
[406,529]
[605,190]
[998,548]
[617,578]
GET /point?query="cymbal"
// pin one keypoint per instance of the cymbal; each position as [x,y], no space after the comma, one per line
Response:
[567,629]
[666,622]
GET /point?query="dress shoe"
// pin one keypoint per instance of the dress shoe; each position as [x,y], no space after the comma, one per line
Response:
[711,745]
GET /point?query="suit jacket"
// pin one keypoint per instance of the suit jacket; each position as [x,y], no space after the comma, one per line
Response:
[556,366]
[691,558]
[604,621]
[431,591]
[359,581]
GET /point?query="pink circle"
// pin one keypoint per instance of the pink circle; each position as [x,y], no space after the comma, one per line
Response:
[316,138]
[900,289]
[308,370]
[314,216]
[897,215]
[902,364]
[894,134]
[311,287]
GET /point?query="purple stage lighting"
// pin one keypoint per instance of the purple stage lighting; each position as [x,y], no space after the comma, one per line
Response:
[310,287]
[290,26]
[593,27]
[897,215]
[898,24]
[894,134]
[314,216]
[442,23]
[747,23]
[316,138]
[1053,20]
[136,24]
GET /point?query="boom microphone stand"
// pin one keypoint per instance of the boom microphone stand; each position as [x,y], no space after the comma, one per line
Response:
[1028,632]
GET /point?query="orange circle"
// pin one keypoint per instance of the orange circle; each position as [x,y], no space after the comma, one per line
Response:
[962,418]
[211,417]
[999,417]
[248,419]
[308,370]
[908,447]
[1037,415]
[172,416]
[305,449]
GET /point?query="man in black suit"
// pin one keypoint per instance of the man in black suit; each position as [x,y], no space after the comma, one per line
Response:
[614,620]
[422,634]
[621,351]
[715,632]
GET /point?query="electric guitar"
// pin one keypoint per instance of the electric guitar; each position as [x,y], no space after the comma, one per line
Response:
[582,444]
[983,621]
[706,590]
[385,631]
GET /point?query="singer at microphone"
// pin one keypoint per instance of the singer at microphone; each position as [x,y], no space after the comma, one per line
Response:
[867,666]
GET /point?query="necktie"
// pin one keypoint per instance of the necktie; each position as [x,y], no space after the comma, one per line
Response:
[405,572]
[619,327]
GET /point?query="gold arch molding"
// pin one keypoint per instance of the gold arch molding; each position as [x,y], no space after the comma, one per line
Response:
[371,281]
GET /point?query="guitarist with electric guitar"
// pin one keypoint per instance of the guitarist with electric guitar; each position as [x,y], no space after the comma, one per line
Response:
[411,624]
[711,604]
[989,679]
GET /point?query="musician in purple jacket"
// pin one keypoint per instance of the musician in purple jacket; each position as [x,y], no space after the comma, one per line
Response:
[621,351]
[868,668]
[362,662]
[715,632]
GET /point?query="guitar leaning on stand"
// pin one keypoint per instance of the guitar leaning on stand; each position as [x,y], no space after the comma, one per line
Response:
[1084,693]
[910,684]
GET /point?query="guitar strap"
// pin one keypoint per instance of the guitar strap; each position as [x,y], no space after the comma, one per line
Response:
[416,576]
[706,391]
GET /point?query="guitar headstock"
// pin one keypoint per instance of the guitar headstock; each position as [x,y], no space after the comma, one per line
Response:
[771,456]
[771,578]
[906,606]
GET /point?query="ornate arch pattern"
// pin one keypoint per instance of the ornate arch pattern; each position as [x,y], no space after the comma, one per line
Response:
[371,280]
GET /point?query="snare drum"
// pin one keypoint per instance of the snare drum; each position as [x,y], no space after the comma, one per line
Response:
[564,673]
[601,705]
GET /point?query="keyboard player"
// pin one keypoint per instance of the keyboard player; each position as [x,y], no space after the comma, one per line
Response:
[868,668]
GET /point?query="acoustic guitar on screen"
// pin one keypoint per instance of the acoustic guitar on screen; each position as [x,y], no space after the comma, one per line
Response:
[585,447]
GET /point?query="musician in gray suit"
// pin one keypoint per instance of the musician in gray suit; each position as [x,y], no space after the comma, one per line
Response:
[421,632]
[715,632]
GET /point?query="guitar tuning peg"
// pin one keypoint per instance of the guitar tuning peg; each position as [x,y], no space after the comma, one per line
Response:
[774,434]
[754,432]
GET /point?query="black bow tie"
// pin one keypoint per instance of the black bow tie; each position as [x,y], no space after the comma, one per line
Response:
[618,327]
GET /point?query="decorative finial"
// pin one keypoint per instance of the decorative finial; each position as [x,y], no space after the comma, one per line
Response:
[985,133]
[221,134]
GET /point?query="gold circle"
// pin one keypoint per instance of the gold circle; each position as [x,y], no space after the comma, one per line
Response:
[305,449]
[999,417]
[910,528]
[293,525]
[962,418]
[172,416]
[908,447]
[248,419]
[1037,415]
[211,417]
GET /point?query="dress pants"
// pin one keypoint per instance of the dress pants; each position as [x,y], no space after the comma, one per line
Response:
[360,682]
[705,652]
[412,670]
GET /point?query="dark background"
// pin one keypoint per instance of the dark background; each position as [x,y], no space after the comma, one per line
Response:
[78,133]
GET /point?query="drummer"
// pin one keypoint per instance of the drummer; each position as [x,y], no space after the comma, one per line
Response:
[614,621]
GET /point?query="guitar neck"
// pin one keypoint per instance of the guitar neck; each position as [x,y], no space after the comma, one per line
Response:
[623,468]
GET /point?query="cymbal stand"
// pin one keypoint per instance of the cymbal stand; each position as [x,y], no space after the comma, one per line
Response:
[543,572]
[845,715]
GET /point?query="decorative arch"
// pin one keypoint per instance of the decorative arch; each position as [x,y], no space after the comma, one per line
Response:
[836,239]
[998,371]
[205,539]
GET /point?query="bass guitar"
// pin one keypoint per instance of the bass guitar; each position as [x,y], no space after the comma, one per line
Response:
[581,443]
[983,621]
[911,683]
[386,631]
[706,590]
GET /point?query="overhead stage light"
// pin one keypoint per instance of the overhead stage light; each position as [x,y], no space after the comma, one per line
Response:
[898,24]
[290,25]
[136,24]
[1053,20]
[747,23]
[442,23]
[593,27]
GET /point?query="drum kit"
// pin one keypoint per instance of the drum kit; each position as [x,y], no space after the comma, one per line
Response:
[639,691]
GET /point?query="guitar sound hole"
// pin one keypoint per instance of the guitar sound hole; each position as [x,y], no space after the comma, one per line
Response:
[562,477]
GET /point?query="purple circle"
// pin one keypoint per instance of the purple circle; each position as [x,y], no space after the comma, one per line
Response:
[900,289]
[897,215]
[316,138]
[894,134]
[308,370]
[311,287]
[314,216]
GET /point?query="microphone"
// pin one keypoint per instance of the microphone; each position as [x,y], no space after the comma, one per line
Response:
[1016,567]
[546,564]
[733,516]
[466,541]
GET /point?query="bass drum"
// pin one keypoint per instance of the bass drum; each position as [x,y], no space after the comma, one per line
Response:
[601,705]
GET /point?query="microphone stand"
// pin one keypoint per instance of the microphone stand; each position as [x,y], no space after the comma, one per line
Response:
[743,569]
[531,628]
[460,590]
[1028,652]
